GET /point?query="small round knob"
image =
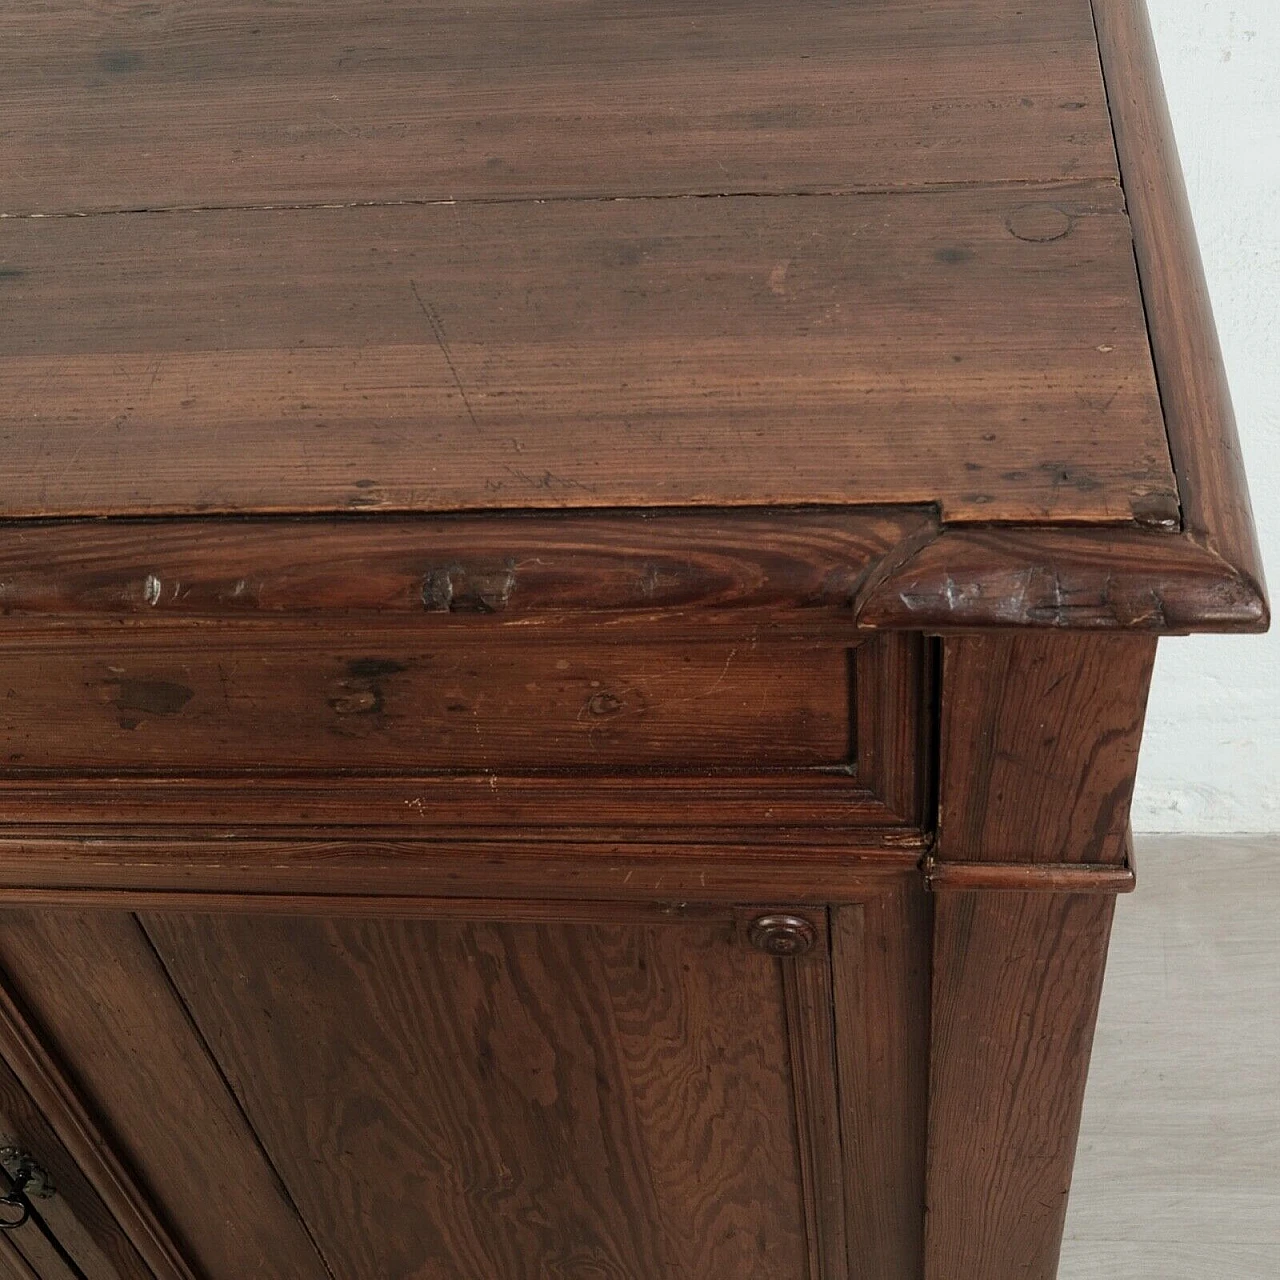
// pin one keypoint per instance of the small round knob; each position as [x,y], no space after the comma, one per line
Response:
[782,935]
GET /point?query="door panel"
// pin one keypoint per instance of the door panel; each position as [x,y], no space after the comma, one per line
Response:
[454,1100]
[105,1003]
[70,1234]
[514,1090]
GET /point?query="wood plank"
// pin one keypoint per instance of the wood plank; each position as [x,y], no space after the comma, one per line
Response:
[1203,438]
[127,105]
[1039,745]
[828,810]
[371,699]
[811,1033]
[880,962]
[585,354]
[666,571]
[1017,978]
[499,1096]
[371,874]
[121,1029]
[72,1228]
[13,1266]
[119,1218]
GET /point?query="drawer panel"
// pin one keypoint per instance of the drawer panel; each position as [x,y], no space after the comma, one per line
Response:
[368,700]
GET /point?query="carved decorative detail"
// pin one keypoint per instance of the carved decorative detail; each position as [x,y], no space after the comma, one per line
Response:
[782,935]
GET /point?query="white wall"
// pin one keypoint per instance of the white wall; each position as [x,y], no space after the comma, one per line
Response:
[1211,758]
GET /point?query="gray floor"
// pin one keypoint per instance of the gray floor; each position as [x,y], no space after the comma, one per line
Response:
[1178,1176]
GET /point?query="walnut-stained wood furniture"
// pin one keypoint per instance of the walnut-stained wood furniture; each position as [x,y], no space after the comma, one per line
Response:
[579,582]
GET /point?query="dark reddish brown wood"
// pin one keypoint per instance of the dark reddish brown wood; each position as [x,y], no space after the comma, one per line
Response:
[527,548]
[112,106]
[808,998]
[1056,877]
[379,699]
[504,1094]
[107,1008]
[1201,423]
[596,354]
[1064,579]
[1039,746]
[147,1250]
[1017,978]
[74,1215]
[389,875]
[468,573]
[880,959]
[778,807]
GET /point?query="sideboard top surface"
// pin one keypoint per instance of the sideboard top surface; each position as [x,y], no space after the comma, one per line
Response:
[444,257]
[328,258]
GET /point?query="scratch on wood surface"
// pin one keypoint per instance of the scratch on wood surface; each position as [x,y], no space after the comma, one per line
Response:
[437,330]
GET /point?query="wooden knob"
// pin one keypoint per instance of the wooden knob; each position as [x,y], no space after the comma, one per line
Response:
[782,935]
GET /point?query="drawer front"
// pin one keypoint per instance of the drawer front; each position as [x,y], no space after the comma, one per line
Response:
[308,698]
[602,731]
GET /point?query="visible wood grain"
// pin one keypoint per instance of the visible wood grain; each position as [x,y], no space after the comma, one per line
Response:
[107,1006]
[648,353]
[1057,877]
[147,1250]
[471,573]
[113,106]
[1201,423]
[787,808]
[74,1216]
[1039,745]
[42,1258]
[371,699]
[880,964]
[505,1096]
[893,699]
[1017,978]
[13,1266]
[1063,579]
[811,1034]
[393,876]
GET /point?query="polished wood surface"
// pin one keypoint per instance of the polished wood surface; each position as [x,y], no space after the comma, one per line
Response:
[1201,423]
[1039,743]
[506,1095]
[1017,979]
[215,104]
[109,1009]
[577,592]
[595,353]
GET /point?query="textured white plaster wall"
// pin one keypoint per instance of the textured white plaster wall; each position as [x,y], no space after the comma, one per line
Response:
[1211,758]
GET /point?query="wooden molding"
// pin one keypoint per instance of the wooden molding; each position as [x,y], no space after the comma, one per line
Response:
[1140,580]
[1199,419]
[1056,877]
[23,1051]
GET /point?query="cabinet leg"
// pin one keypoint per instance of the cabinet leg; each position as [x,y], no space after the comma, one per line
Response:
[1016,984]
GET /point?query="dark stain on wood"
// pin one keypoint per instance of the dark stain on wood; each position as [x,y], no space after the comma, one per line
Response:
[119,62]
[151,697]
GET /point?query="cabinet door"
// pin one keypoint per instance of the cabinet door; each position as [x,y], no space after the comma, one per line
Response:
[469,1091]
[53,1223]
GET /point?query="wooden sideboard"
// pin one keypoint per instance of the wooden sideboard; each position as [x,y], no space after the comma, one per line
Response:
[578,587]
